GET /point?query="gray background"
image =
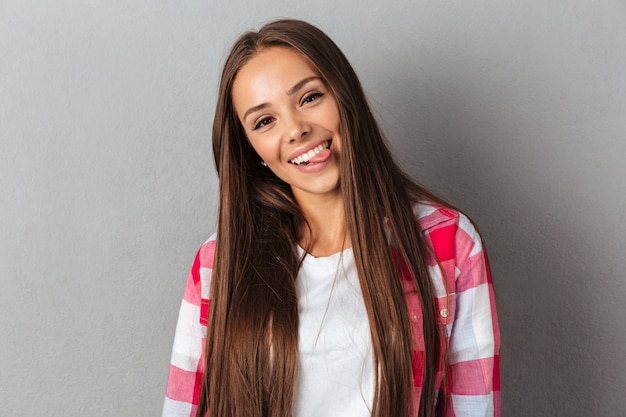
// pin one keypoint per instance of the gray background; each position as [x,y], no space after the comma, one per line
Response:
[513,110]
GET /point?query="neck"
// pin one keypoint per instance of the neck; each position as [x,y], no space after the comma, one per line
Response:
[328,232]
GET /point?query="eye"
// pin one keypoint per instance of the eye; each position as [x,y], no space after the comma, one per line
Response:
[263,122]
[311,97]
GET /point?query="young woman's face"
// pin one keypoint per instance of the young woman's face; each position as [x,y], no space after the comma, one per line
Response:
[291,119]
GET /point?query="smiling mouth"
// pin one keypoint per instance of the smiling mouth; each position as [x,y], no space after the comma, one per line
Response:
[305,158]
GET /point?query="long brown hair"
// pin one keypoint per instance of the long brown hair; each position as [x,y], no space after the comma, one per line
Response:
[252,336]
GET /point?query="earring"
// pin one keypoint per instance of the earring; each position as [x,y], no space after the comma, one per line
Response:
[264,163]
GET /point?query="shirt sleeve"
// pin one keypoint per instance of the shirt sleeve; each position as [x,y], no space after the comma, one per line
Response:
[474,338]
[187,362]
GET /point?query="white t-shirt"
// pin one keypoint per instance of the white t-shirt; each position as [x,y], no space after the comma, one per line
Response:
[335,361]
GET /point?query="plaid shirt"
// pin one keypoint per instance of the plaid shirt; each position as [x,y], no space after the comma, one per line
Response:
[466,307]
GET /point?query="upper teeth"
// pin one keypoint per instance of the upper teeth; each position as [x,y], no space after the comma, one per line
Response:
[305,157]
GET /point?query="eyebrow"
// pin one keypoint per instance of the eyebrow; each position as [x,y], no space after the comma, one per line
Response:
[255,108]
[290,92]
[301,84]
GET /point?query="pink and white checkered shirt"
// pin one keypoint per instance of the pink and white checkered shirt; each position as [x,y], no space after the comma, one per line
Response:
[467,309]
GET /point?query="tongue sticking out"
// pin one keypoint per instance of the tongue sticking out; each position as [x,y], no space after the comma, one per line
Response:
[320,157]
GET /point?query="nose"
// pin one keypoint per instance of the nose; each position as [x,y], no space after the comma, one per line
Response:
[295,127]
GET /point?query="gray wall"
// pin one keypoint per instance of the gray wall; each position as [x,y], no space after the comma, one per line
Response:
[515,111]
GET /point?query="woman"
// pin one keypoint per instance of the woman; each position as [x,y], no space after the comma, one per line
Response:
[335,285]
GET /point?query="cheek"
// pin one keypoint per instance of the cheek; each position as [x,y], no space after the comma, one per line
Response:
[333,118]
[265,148]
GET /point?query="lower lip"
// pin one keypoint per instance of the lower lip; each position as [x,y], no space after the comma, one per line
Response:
[316,166]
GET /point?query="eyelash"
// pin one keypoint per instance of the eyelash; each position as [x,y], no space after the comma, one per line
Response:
[263,122]
[307,99]
[311,97]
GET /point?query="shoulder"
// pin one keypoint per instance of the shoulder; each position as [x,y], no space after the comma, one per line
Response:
[198,283]
[431,216]
[455,257]
[445,227]
[206,253]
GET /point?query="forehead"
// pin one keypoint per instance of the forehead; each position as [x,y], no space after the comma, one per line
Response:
[275,59]
[272,70]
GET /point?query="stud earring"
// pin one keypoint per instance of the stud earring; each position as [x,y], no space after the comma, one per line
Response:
[264,163]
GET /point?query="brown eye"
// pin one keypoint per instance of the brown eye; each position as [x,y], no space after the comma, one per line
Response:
[311,97]
[263,122]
